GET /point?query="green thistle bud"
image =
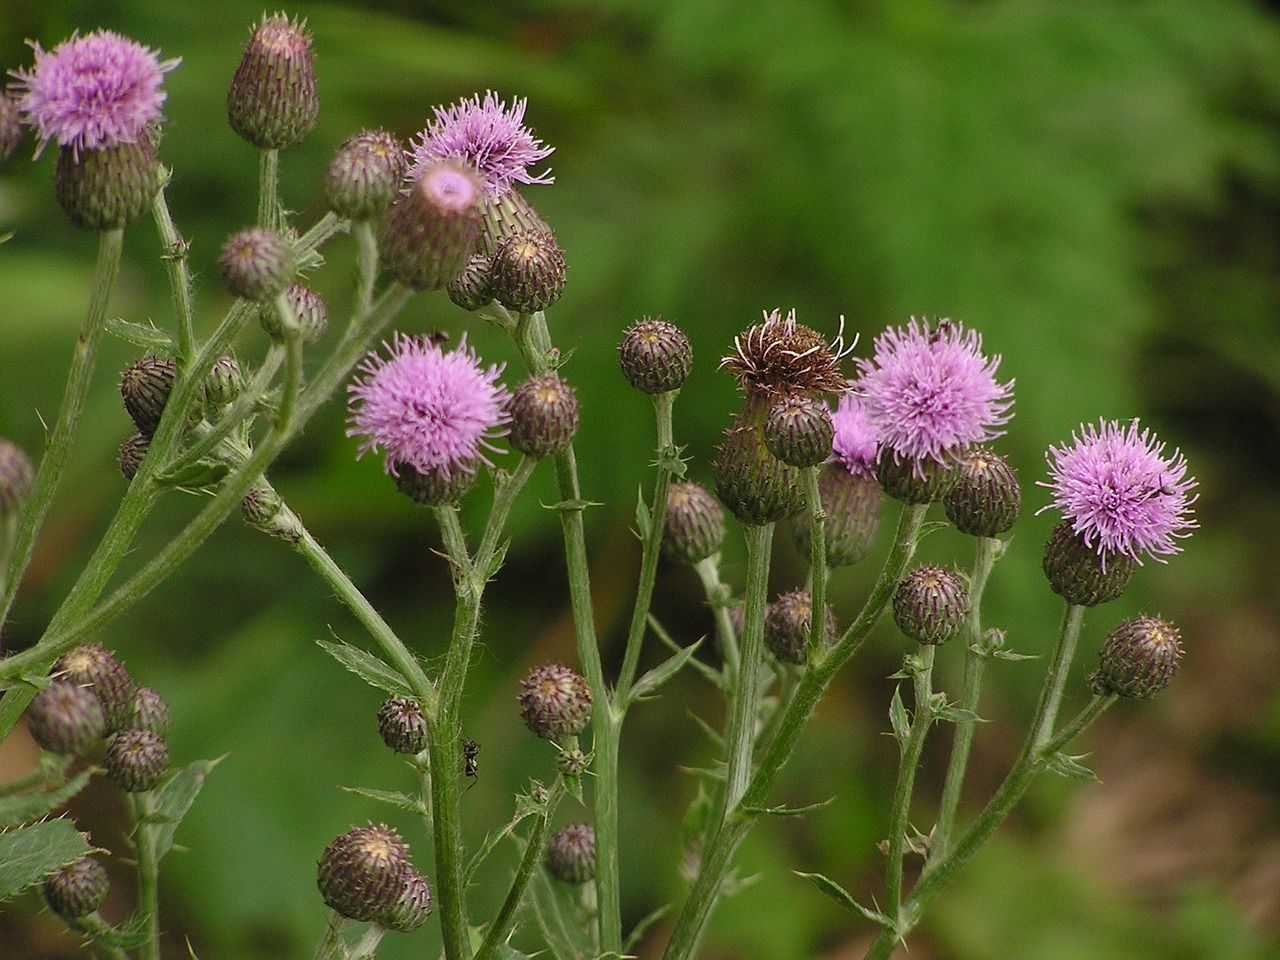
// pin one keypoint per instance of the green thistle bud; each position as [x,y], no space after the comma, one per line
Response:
[17,474]
[1138,659]
[931,604]
[273,101]
[985,498]
[150,713]
[798,431]
[571,854]
[471,289]
[66,718]
[430,230]
[263,510]
[402,725]
[362,874]
[505,215]
[913,481]
[1080,574]
[555,702]
[76,889]
[528,271]
[257,264]
[656,356]
[365,174]
[89,665]
[132,451]
[145,386]
[434,488]
[851,503]
[108,189]
[137,760]
[309,313]
[224,382]
[544,416]
[786,626]
[756,486]
[10,125]
[572,762]
[412,909]
[694,526]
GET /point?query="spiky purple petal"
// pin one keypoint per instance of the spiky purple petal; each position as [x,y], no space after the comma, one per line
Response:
[855,445]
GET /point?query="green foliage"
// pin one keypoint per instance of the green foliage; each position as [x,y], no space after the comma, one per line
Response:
[28,854]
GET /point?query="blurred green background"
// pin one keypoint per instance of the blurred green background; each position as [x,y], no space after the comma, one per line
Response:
[1093,185]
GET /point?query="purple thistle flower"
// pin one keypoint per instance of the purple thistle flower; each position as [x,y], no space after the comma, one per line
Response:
[929,393]
[855,445]
[490,136]
[428,409]
[1119,492]
[92,92]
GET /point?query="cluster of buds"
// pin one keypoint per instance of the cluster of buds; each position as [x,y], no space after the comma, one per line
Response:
[366,874]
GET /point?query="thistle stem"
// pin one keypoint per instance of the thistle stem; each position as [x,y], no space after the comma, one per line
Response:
[900,811]
[148,866]
[269,189]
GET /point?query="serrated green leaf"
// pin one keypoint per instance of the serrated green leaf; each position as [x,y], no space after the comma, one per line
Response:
[25,807]
[571,506]
[708,672]
[1068,766]
[523,812]
[401,801]
[642,516]
[174,797]
[898,718]
[953,714]
[842,896]
[788,811]
[499,558]
[655,678]
[195,476]
[1003,654]
[144,335]
[29,853]
[367,667]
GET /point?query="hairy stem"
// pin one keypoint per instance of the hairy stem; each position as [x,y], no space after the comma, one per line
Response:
[909,763]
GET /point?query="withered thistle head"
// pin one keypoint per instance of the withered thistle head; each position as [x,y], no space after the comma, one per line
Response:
[781,356]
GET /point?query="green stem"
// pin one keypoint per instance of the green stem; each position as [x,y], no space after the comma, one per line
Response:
[900,811]
[144,837]
[985,551]
[446,824]
[175,264]
[269,189]
[325,228]
[499,928]
[718,596]
[234,415]
[366,266]
[53,463]
[817,562]
[94,928]
[366,948]
[332,946]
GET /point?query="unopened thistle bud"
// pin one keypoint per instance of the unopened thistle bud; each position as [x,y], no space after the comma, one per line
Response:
[798,430]
[137,760]
[1138,659]
[528,271]
[913,481]
[413,907]
[544,416]
[89,665]
[17,474]
[273,100]
[145,386]
[694,526]
[1081,574]
[572,762]
[309,313]
[655,356]
[10,124]
[931,604]
[472,289]
[150,713]
[430,231]
[362,873]
[107,189]
[851,504]
[786,626]
[224,382]
[76,889]
[752,483]
[555,702]
[257,264]
[66,718]
[571,853]
[365,174]
[435,487]
[504,215]
[132,451]
[984,498]
[402,725]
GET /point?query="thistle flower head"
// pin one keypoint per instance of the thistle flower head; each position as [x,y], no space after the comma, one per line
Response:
[487,134]
[930,393]
[427,409]
[1119,491]
[92,92]
[781,356]
[855,444]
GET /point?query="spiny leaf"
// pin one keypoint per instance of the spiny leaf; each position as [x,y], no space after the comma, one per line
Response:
[663,672]
[401,801]
[953,714]
[1068,766]
[898,718]
[789,811]
[174,797]
[366,666]
[142,335]
[30,853]
[639,929]
[25,807]
[842,896]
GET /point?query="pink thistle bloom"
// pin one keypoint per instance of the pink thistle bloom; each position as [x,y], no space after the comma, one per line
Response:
[428,409]
[92,92]
[855,444]
[929,393]
[490,136]
[1119,492]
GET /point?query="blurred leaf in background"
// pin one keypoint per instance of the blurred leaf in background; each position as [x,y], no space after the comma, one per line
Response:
[1093,185]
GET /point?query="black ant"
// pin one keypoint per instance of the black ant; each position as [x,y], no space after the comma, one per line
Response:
[470,768]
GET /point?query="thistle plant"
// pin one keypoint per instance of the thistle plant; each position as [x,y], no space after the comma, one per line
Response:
[823,441]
